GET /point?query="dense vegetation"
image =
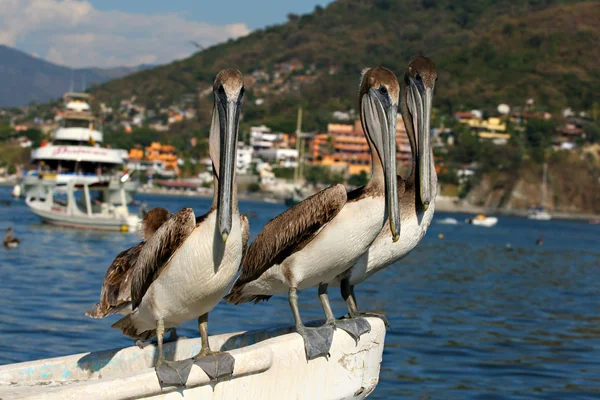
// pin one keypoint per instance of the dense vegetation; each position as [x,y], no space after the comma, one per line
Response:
[487,52]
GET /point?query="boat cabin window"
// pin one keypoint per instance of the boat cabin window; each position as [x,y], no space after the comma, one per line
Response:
[77,123]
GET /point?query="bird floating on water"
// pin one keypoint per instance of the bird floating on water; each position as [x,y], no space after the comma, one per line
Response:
[187,265]
[10,242]
[312,242]
[417,194]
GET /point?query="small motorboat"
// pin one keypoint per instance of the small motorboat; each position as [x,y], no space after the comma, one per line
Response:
[448,221]
[482,220]
[84,204]
[539,214]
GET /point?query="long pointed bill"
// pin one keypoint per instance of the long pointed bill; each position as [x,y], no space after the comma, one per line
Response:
[381,128]
[420,108]
[425,150]
[228,142]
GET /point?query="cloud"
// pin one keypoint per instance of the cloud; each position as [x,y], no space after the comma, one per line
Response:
[74,33]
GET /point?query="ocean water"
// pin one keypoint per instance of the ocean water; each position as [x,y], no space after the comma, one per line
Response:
[470,320]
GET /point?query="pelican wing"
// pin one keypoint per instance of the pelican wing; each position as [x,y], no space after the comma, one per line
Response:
[116,289]
[290,231]
[158,250]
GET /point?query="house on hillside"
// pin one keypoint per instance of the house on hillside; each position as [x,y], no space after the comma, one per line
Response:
[567,135]
[493,128]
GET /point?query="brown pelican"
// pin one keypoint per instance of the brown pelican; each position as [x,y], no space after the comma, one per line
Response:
[416,194]
[187,265]
[10,242]
[311,243]
[115,296]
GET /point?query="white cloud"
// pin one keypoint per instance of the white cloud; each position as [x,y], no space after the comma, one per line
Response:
[73,33]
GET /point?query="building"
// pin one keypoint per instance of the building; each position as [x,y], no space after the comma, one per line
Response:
[244,158]
[492,128]
[345,147]
[286,158]
[567,136]
[157,157]
[261,138]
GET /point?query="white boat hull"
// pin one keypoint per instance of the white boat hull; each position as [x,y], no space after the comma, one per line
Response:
[540,216]
[129,224]
[487,222]
[269,364]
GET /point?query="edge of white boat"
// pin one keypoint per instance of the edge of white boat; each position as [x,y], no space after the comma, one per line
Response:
[269,364]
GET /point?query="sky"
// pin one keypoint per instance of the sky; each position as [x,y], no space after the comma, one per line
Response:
[110,33]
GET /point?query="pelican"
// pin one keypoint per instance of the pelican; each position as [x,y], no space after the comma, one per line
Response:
[188,264]
[115,296]
[417,194]
[10,242]
[311,243]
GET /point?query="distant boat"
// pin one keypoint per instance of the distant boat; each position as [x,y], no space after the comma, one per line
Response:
[538,213]
[83,204]
[482,220]
[447,221]
[16,192]
[75,151]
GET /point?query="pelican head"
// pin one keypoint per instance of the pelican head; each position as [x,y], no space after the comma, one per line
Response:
[420,80]
[228,90]
[378,102]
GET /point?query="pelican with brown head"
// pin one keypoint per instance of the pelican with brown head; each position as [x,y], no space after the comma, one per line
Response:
[187,264]
[311,243]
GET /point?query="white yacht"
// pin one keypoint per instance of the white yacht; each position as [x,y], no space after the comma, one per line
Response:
[75,151]
[82,203]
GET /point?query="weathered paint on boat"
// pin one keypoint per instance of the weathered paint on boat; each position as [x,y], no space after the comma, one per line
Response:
[269,364]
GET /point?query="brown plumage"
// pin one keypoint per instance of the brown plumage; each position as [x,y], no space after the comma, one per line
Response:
[116,289]
[286,234]
[376,77]
[9,240]
[154,256]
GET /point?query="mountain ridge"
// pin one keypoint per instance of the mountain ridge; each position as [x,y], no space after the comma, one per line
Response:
[25,78]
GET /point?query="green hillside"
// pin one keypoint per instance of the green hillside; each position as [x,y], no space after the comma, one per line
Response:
[487,52]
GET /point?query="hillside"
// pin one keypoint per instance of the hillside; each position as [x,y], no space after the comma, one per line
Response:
[25,79]
[487,52]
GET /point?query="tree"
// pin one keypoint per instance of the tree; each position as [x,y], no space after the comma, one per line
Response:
[358,179]
[538,136]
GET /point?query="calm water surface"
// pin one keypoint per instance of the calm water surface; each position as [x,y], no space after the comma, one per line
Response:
[470,320]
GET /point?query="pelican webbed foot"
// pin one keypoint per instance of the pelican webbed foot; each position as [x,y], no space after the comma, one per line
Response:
[173,373]
[215,364]
[355,327]
[317,341]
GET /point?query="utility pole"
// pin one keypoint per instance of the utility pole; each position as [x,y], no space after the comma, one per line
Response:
[297,171]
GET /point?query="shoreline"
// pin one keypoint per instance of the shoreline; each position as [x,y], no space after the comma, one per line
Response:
[443,204]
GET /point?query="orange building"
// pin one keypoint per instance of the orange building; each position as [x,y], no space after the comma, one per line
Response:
[346,145]
[157,152]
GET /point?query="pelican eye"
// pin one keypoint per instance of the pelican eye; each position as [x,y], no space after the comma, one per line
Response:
[221,89]
[419,77]
[383,90]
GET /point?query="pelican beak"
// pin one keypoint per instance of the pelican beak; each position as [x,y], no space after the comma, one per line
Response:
[380,117]
[229,115]
[420,107]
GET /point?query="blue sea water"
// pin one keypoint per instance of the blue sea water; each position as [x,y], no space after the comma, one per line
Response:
[470,320]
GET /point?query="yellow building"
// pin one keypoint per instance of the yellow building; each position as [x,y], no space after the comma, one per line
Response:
[491,128]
